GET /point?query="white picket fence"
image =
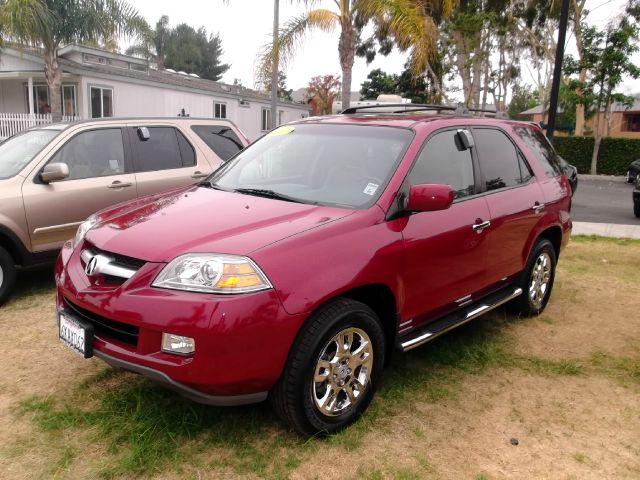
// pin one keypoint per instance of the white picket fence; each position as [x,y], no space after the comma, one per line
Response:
[12,123]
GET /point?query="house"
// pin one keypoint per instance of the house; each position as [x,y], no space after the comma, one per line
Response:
[97,83]
[625,121]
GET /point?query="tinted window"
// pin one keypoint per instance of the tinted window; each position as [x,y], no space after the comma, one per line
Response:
[96,153]
[221,139]
[499,160]
[160,152]
[186,151]
[444,160]
[542,149]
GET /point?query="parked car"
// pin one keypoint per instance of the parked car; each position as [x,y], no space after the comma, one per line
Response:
[633,172]
[636,200]
[297,268]
[571,173]
[53,177]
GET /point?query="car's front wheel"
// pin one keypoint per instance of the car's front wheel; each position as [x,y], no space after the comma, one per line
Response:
[333,369]
[536,280]
[7,275]
[630,177]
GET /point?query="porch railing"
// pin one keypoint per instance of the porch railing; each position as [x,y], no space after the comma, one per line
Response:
[12,123]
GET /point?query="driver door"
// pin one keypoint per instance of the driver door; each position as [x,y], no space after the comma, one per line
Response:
[99,176]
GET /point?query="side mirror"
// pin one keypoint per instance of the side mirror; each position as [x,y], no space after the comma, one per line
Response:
[54,172]
[429,197]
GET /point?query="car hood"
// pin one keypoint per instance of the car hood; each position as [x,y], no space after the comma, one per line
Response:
[199,219]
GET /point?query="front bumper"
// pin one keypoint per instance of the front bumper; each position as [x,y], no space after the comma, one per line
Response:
[242,341]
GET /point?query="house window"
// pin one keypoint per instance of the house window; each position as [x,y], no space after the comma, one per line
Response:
[219,110]
[40,99]
[266,119]
[69,104]
[631,122]
[101,102]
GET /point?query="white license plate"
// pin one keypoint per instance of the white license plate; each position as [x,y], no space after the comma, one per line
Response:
[75,335]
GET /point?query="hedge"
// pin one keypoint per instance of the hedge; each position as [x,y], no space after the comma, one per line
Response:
[614,158]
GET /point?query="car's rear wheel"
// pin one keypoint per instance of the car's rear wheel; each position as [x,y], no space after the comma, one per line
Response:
[7,275]
[333,369]
[630,177]
[536,280]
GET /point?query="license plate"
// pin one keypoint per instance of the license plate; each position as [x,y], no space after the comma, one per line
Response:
[76,335]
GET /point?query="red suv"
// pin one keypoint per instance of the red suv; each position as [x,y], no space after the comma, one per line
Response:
[297,267]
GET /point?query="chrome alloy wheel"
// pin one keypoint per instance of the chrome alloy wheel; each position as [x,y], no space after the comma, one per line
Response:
[540,278]
[342,372]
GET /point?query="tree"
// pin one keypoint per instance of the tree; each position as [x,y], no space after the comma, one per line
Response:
[608,58]
[321,93]
[407,22]
[182,48]
[378,83]
[48,24]
[522,98]
[153,44]
[283,92]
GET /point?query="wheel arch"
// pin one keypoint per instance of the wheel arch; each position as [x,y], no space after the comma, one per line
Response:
[14,246]
[554,235]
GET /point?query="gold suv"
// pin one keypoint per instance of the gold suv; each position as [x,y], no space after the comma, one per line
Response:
[53,177]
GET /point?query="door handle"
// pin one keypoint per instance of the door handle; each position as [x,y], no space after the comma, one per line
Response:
[480,225]
[119,184]
[537,207]
[199,174]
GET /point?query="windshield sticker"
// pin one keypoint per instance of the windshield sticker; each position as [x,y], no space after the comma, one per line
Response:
[371,188]
[281,131]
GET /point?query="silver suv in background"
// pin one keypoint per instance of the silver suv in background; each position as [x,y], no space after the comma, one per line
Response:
[53,177]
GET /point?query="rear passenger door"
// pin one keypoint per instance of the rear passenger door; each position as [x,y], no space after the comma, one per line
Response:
[514,198]
[446,251]
[164,159]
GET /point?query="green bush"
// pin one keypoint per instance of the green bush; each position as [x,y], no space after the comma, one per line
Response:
[614,158]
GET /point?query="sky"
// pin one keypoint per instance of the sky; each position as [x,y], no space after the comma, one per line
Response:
[246,25]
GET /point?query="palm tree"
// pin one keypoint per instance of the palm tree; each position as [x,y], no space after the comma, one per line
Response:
[48,24]
[153,44]
[410,23]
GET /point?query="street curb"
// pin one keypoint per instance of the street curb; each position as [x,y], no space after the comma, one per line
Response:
[606,230]
[602,178]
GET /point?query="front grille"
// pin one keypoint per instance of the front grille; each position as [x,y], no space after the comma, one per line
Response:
[125,261]
[117,269]
[122,332]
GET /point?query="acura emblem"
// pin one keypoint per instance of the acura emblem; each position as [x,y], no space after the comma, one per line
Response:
[95,264]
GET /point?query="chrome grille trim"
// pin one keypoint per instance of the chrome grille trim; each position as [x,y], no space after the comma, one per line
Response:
[105,264]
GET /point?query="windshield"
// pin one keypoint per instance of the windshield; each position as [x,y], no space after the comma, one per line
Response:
[342,165]
[17,152]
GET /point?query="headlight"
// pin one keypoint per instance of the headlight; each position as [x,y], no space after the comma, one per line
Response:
[84,227]
[211,273]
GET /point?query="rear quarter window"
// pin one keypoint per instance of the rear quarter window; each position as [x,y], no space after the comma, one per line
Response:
[541,149]
[219,138]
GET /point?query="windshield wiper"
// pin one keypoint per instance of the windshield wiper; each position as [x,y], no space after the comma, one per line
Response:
[259,192]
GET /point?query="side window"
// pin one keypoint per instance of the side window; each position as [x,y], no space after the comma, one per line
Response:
[445,160]
[96,153]
[221,139]
[186,150]
[542,149]
[499,160]
[161,151]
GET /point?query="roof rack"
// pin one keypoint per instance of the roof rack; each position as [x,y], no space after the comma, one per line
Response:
[419,107]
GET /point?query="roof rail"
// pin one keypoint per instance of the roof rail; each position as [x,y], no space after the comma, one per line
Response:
[419,107]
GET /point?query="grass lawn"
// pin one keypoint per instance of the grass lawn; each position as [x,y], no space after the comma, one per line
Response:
[557,396]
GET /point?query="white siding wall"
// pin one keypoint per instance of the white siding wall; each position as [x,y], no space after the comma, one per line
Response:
[137,100]
[10,63]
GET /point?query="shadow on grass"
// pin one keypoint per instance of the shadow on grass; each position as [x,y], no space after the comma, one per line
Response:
[148,429]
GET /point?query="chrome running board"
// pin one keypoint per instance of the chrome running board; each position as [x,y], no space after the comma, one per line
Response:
[455,319]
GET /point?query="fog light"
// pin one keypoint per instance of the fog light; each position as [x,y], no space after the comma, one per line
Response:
[178,344]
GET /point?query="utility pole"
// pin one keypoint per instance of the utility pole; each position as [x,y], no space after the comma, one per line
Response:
[557,70]
[274,66]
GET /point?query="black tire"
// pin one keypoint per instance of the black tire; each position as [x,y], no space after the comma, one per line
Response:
[528,304]
[7,275]
[636,209]
[630,178]
[294,395]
